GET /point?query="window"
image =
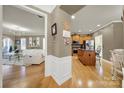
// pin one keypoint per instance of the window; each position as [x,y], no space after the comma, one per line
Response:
[23,43]
[30,41]
[7,42]
[98,44]
[43,43]
[38,41]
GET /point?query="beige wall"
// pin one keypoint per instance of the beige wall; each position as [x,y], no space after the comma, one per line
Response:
[123,35]
[112,38]
[27,40]
[57,42]
[0,46]
[50,48]
[123,27]
[118,35]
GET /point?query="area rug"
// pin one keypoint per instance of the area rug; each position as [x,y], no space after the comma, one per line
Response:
[19,63]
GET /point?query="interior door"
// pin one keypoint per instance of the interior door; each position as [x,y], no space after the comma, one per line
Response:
[99,44]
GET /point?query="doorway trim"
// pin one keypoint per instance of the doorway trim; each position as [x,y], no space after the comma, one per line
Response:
[34,11]
[98,38]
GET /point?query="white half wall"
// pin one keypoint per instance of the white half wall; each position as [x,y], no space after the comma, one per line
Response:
[59,68]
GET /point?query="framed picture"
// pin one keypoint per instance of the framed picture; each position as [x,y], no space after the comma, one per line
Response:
[54,29]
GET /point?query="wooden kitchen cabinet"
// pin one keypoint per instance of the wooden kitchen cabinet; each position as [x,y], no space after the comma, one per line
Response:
[87,57]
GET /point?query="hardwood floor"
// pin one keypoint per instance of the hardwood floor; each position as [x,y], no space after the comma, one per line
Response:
[82,77]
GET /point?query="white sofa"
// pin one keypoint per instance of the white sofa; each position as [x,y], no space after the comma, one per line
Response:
[33,56]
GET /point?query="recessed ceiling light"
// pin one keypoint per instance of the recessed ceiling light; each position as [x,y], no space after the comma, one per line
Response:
[90,30]
[98,25]
[73,17]
[79,30]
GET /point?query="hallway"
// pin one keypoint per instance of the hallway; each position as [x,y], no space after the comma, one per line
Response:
[82,76]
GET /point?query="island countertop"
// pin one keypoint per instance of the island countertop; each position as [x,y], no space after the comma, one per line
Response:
[87,57]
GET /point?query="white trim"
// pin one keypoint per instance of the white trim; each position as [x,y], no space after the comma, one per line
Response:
[59,68]
[34,11]
[116,21]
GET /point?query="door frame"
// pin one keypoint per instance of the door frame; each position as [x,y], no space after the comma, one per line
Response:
[101,36]
[37,12]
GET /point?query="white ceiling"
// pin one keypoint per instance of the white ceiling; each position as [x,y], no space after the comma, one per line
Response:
[91,15]
[71,9]
[46,8]
[23,19]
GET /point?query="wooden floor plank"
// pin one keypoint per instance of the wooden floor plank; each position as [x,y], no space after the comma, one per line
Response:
[82,76]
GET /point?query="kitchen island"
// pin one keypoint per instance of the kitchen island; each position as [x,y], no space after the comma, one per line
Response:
[87,57]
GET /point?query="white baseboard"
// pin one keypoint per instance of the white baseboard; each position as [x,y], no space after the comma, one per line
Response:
[58,68]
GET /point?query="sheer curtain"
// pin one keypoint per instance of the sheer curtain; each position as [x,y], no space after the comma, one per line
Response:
[23,43]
